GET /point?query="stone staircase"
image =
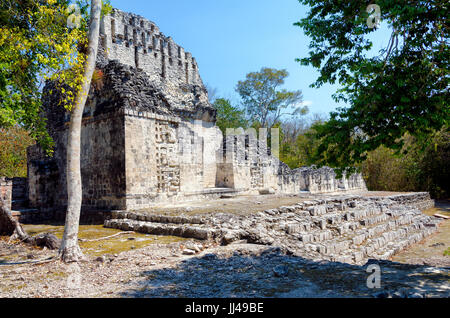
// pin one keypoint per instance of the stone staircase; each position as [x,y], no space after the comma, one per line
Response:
[377,237]
[348,229]
[366,228]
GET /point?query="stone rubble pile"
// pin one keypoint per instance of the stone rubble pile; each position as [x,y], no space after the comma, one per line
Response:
[347,229]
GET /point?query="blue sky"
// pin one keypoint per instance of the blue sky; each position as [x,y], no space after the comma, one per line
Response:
[234,37]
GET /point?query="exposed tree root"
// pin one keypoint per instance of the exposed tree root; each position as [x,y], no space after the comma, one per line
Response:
[106,237]
[10,227]
[71,254]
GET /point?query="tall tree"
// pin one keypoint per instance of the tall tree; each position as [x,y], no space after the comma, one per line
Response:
[70,250]
[300,141]
[35,46]
[229,116]
[263,99]
[403,89]
[37,43]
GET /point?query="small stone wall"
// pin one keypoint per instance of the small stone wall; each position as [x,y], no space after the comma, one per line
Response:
[420,200]
[6,194]
[6,185]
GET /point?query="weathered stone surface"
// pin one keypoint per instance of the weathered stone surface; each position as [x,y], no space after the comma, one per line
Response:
[149,134]
[189,252]
[6,191]
[376,227]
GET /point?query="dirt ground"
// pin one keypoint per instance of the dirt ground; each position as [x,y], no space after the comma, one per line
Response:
[240,205]
[247,204]
[431,251]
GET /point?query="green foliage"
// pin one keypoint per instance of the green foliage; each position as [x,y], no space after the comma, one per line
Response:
[433,168]
[84,6]
[420,169]
[14,142]
[403,90]
[229,116]
[417,170]
[299,151]
[264,101]
[447,252]
[36,45]
[385,171]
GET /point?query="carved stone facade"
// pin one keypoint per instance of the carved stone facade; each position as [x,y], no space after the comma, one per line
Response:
[149,134]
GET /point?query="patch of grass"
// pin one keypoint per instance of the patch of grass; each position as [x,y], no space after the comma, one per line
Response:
[447,252]
[115,245]
[123,243]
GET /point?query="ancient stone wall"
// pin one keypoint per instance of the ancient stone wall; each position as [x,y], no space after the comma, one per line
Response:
[168,159]
[19,193]
[247,164]
[319,180]
[102,166]
[149,133]
[43,178]
[15,192]
[138,149]
[138,42]
[6,185]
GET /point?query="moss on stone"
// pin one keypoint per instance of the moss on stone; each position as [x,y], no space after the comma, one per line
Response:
[113,245]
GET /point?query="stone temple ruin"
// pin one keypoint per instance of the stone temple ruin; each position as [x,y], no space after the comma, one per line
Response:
[149,140]
[149,134]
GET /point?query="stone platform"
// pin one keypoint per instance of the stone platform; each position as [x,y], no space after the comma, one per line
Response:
[348,228]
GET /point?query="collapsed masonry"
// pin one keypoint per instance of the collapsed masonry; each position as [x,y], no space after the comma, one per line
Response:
[149,134]
[342,228]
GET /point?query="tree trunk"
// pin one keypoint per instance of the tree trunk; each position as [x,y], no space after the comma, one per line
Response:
[70,250]
[10,227]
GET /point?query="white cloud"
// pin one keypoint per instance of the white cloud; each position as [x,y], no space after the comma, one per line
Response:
[306,103]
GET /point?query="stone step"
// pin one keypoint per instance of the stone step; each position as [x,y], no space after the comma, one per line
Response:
[334,219]
[380,230]
[360,255]
[344,231]
[180,230]
[356,231]
[316,236]
[391,240]
[401,243]
[387,237]
[330,221]
[174,219]
[377,225]
[371,238]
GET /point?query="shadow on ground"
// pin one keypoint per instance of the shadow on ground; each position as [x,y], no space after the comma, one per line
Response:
[273,274]
[443,205]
